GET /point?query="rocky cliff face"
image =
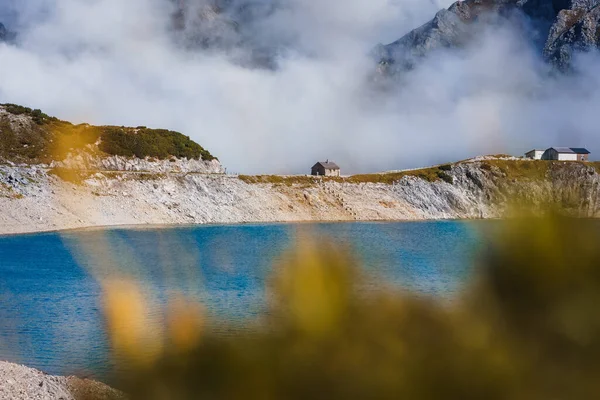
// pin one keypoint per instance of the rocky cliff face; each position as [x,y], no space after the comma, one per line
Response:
[5,34]
[91,162]
[33,198]
[227,25]
[565,26]
[577,28]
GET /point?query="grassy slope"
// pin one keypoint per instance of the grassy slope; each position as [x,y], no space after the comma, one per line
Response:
[432,174]
[429,174]
[510,170]
[49,138]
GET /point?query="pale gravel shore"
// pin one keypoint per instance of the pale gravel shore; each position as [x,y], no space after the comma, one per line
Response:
[31,200]
[18,382]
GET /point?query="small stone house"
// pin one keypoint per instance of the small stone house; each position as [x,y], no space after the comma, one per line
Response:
[325,168]
[566,154]
[535,154]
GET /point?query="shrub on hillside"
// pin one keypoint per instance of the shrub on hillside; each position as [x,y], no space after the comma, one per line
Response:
[21,145]
[144,142]
[445,177]
[36,115]
[53,139]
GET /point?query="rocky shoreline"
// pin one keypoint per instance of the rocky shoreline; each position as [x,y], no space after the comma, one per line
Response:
[118,176]
[35,199]
[18,382]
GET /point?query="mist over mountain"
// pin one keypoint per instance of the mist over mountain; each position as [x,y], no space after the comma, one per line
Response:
[230,26]
[272,86]
[555,28]
[576,29]
[5,34]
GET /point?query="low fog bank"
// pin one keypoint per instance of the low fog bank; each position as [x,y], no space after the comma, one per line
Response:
[116,62]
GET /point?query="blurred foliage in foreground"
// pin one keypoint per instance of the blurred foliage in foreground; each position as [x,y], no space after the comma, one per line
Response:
[527,327]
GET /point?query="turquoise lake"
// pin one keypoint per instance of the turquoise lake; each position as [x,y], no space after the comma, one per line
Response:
[51,311]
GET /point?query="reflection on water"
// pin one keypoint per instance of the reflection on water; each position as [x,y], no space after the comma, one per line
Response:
[50,309]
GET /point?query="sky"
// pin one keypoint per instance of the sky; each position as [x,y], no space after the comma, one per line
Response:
[118,62]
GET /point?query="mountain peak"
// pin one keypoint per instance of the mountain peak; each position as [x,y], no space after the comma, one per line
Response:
[5,34]
[565,26]
[576,29]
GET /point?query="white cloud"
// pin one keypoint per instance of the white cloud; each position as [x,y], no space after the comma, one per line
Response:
[113,62]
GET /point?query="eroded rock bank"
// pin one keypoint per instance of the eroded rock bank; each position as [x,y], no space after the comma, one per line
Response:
[33,198]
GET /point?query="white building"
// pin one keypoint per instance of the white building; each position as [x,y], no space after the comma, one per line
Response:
[566,154]
[535,154]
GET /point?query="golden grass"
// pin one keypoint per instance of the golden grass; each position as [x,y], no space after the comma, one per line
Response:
[288,180]
[511,170]
[520,169]
[428,174]
[596,165]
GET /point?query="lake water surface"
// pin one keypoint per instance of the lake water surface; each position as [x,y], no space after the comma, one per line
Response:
[50,305]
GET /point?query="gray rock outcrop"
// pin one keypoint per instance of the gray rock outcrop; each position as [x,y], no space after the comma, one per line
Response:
[228,26]
[445,30]
[576,29]
[90,162]
[5,34]
[558,28]
[205,25]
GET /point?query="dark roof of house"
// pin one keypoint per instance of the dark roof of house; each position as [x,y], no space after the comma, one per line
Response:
[327,165]
[580,150]
[571,150]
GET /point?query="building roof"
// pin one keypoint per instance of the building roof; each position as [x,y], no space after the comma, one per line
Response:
[580,150]
[531,151]
[570,150]
[566,150]
[327,164]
